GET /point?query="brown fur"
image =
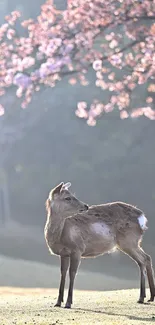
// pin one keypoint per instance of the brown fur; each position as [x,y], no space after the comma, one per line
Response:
[94,232]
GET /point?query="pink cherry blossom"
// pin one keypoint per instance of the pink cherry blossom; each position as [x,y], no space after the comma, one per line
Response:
[1,110]
[22,80]
[108,39]
[97,65]
[124,115]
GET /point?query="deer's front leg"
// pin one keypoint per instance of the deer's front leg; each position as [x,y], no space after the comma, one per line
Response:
[64,268]
[74,263]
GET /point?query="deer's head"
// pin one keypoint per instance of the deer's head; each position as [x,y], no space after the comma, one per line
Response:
[62,201]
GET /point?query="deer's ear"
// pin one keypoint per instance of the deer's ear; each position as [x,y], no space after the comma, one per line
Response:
[66,186]
[58,188]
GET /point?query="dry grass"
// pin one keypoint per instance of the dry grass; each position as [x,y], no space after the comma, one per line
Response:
[36,307]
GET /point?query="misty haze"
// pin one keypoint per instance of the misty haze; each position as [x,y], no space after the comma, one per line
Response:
[47,143]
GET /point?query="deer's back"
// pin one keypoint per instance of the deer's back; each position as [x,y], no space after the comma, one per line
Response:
[115,214]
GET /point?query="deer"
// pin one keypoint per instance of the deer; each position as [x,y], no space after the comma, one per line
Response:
[74,230]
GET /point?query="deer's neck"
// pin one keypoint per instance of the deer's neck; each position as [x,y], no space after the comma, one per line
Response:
[54,227]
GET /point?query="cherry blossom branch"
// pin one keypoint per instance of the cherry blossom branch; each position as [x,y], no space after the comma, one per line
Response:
[68,43]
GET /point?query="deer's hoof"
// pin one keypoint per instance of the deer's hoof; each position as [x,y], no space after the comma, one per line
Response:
[140,301]
[68,306]
[57,304]
[151,299]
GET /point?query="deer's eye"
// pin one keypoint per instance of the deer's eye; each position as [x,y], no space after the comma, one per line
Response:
[67,198]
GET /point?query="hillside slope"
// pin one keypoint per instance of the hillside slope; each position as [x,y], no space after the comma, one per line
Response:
[19,273]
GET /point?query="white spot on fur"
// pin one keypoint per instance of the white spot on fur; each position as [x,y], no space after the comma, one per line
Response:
[142,222]
[101,229]
[73,233]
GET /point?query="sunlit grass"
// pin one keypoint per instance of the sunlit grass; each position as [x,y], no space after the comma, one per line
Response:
[36,307]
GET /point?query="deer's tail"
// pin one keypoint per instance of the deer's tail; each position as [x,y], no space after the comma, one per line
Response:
[142,220]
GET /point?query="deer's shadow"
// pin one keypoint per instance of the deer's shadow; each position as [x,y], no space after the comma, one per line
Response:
[131,317]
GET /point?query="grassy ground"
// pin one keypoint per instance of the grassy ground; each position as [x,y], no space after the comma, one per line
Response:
[36,307]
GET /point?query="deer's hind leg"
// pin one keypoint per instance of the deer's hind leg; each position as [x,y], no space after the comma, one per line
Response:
[138,256]
[145,263]
[150,275]
[130,246]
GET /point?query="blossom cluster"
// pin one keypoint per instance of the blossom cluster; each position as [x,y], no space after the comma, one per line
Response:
[108,36]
